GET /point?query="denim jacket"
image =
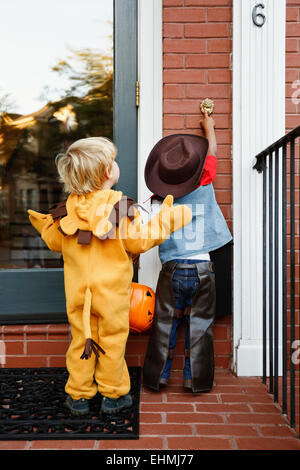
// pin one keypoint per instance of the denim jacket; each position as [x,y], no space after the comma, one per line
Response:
[206,232]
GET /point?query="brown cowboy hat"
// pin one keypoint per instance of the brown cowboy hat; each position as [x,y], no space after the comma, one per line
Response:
[175,164]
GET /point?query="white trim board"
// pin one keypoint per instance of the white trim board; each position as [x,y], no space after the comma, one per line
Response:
[258,121]
[150,112]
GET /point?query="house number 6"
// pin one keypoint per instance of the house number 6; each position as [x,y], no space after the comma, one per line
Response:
[258,18]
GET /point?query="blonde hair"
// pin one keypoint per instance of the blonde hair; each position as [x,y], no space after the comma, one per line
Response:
[82,168]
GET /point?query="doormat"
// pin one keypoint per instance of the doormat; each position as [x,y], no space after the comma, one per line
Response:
[32,408]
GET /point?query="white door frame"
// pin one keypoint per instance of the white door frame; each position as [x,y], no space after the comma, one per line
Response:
[150,111]
[258,121]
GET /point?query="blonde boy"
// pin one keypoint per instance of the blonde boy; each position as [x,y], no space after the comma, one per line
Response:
[98,230]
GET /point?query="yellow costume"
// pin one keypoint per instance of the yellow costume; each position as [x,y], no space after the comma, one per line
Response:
[97,243]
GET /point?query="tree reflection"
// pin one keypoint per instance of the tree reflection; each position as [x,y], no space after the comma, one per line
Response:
[29,145]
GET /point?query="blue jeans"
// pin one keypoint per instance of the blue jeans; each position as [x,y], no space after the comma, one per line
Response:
[185,283]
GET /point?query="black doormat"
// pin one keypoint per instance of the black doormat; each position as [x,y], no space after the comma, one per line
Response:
[32,408]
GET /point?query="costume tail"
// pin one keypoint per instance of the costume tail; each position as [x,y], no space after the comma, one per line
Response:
[90,344]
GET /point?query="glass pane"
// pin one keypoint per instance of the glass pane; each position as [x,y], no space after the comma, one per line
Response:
[56,86]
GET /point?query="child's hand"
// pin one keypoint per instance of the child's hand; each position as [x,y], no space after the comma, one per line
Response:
[207,123]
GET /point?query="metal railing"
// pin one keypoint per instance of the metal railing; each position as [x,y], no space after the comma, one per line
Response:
[280,164]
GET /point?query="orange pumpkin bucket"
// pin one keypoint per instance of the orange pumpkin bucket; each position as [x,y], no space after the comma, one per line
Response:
[142,305]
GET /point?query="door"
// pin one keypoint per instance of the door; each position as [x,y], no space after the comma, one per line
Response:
[68,72]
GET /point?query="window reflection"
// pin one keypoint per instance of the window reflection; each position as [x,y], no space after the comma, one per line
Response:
[75,102]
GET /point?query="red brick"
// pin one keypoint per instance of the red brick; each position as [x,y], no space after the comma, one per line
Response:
[169,3]
[224,361]
[25,361]
[219,45]
[220,332]
[293,60]
[68,444]
[279,431]
[13,348]
[185,408]
[213,91]
[291,75]
[222,408]
[12,445]
[173,30]
[57,361]
[224,167]
[150,417]
[192,398]
[292,14]
[184,45]
[151,397]
[292,121]
[165,429]
[173,122]
[291,45]
[208,3]
[222,121]
[47,347]
[181,106]
[265,408]
[267,444]
[184,15]
[36,331]
[223,347]
[223,106]
[142,443]
[58,331]
[223,181]
[13,332]
[246,398]
[207,61]
[293,30]
[207,30]
[223,197]
[194,418]
[199,443]
[184,76]
[225,430]
[173,61]
[254,418]
[219,76]
[219,14]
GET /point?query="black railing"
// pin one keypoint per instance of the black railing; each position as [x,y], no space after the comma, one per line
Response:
[280,164]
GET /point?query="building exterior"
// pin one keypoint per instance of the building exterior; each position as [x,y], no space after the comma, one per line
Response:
[188,50]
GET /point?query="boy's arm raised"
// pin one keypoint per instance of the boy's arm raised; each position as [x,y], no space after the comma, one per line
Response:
[138,238]
[48,229]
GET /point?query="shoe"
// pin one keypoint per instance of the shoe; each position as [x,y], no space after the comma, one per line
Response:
[77,407]
[187,383]
[124,402]
[115,405]
[163,382]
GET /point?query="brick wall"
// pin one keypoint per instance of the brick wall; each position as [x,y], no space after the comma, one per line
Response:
[292,121]
[197,48]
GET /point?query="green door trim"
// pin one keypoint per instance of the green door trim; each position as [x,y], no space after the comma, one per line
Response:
[125,77]
[36,296]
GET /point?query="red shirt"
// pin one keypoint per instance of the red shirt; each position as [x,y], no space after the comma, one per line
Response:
[209,171]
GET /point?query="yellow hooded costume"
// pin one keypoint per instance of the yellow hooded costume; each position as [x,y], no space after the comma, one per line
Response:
[97,234]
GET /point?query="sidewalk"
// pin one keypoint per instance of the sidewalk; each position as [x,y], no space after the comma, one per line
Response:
[238,414]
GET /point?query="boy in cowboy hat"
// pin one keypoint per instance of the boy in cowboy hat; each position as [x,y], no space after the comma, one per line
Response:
[185,166]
